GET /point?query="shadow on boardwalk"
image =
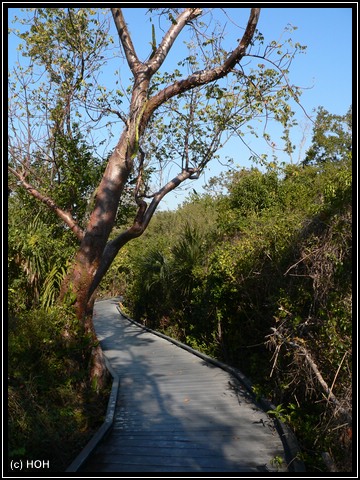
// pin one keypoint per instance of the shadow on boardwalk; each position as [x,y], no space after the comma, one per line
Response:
[176,412]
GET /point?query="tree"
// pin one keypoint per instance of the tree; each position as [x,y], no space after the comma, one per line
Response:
[181,117]
[332,138]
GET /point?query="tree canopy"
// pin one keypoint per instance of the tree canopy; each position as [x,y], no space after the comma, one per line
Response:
[332,138]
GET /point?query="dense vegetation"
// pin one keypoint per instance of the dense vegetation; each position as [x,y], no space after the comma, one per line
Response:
[261,277]
[53,408]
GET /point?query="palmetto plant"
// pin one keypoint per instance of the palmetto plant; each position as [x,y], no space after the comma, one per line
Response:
[35,253]
[187,254]
[28,254]
[52,285]
[155,271]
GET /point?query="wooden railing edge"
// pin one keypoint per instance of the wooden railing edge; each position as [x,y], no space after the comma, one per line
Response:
[81,458]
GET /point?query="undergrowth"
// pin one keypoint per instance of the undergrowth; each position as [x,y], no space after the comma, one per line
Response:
[52,408]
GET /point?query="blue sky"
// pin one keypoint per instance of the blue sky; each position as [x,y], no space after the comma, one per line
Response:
[327,65]
[324,71]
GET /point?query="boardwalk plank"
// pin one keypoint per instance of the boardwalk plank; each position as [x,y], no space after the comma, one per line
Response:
[208,461]
[175,412]
[143,468]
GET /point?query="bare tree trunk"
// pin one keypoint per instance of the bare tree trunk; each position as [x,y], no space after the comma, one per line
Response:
[87,260]
[102,219]
[100,224]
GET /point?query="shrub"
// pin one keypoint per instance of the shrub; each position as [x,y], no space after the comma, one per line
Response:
[53,410]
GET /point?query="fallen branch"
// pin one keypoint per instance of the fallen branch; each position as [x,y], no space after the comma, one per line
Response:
[301,260]
[330,396]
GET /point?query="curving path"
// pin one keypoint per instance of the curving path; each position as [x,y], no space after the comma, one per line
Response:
[175,412]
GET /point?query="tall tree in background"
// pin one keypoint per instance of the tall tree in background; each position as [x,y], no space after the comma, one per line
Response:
[332,138]
[180,118]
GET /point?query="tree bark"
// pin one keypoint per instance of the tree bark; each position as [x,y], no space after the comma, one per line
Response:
[140,224]
[100,224]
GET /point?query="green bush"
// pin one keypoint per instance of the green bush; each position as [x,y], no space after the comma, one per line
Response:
[52,408]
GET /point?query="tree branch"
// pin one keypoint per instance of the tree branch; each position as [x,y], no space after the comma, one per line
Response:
[140,223]
[119,114]
[331,397]
[174,183]
[207,76]
[65,216]
[169,38]
[125,39]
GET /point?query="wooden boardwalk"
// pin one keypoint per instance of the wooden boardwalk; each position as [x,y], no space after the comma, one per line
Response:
[175,412]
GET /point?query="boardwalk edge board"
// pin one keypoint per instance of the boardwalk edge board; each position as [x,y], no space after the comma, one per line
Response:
[105,427]
[290,444]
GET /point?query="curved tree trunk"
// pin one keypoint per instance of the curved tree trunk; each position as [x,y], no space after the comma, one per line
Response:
[95,253]
[87,260]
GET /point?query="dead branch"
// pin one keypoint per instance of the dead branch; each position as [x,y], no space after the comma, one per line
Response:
[301,260]
[303,351]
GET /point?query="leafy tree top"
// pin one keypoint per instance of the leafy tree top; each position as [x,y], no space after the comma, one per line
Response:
[332,138]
